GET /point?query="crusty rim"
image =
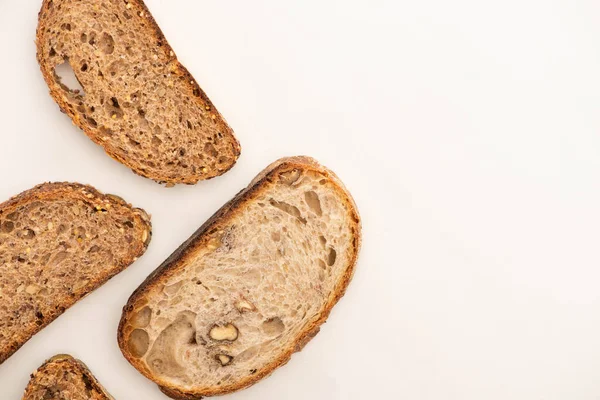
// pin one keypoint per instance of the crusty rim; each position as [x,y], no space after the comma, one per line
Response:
[198,239]
[50,191]
[57,94]
[75,363]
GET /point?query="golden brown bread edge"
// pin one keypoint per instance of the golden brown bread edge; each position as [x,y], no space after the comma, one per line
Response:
[48,191]
[60,99]
[75,364]
[198,239]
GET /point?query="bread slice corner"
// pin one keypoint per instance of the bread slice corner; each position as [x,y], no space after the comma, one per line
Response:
[251,287]
[64,377]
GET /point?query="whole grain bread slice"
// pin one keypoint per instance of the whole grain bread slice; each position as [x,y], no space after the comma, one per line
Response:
[249,288]
[64,378]
[138,102]
[59,242]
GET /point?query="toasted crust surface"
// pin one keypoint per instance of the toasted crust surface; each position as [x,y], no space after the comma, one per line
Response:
[64,377]
[140,103]
[58,243]
[202,239]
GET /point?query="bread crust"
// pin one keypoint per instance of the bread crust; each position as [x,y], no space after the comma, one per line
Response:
[57,94]
[199,239]
[87,194]
[69,363]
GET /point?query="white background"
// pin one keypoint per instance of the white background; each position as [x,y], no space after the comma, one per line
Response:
[468,132]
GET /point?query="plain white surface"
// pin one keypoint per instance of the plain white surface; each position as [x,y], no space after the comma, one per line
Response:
[468,132]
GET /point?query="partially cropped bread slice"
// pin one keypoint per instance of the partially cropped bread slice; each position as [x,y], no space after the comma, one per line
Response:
[249,288]
[58,242]
[64,378]
[138,101]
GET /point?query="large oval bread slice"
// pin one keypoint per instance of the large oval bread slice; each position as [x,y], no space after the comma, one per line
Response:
[138,102]
[64,378]
[59,242]
[249,288]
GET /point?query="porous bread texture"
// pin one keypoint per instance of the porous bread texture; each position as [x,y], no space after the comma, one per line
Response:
[64,378]
[251,287]
[58,242]
[138,101]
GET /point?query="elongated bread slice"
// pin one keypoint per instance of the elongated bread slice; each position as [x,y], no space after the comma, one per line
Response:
[59,242]
[249,288]
[138,102]
[64,378]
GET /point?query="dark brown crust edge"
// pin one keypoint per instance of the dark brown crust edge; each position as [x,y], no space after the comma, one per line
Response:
[75,364]
[59,98]
[47,191]
[197,240]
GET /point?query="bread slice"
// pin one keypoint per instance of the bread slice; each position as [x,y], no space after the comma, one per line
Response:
[138,101]
[64,378]
[58,242]
[249,288]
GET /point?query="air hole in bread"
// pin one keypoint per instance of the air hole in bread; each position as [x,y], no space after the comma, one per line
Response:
[139,341]
[323,240]
[288,208]
[142,318]
[107,43]
[273,327]
[322,264]
[173,289]
[84,67]
[331,256]
[313,201]
[26,234]
[276,236]
[13,216]
[164,358]
[8,226]
[65,76]
[113,108]
[210,148]
[321,276]
[290,177]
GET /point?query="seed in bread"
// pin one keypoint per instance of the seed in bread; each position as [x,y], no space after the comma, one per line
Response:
[136,100]
[58,242]
[249,288]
